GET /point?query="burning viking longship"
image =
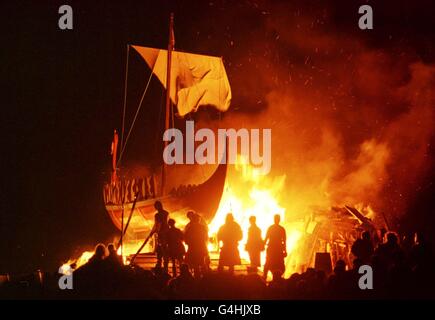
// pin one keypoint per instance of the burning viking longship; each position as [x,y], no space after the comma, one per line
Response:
[191,81]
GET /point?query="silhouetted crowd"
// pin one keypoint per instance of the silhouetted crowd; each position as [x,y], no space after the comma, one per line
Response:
[170,244]
[400,270]
[401,267]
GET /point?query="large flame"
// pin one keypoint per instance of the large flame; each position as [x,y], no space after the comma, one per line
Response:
[77,263]
[248,193]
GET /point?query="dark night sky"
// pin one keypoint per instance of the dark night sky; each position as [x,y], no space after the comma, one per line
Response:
[62,94]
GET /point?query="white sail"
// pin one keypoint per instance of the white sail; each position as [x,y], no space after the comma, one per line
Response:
[196,80]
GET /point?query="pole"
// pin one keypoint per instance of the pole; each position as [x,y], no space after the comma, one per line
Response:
[125,97]
[140,249]
[122,216]
[128,221]
[168,92]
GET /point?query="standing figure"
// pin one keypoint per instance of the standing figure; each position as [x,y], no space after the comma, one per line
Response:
[276,248]
[176,248]
[362,248]
[207,257]
[96,261]
[254,244]
[389,250]
[229,234]
[113,259]
[160,229]
[196,238]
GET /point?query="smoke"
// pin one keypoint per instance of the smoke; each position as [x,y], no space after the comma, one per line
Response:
[351,122]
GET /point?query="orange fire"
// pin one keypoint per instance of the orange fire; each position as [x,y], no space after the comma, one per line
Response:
[84,258]
[248,193]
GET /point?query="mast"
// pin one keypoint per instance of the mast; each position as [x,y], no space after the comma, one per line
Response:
[168,92]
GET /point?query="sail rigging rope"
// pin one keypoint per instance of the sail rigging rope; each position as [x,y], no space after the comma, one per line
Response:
[135,116]
[125,96]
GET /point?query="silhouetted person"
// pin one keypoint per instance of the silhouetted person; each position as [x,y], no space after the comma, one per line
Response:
[407,242]
[196,238]
[229,234]
[421,251]
[160,229]
[386,251]
[112,272]
[176,248]
[90,279]
[363,248]
[379,237]
[338,282]
[254,244]
[113,259]
[422,264]
[99,255]
[276,240]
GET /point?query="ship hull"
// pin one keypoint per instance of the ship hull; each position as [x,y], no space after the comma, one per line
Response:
[203,199]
